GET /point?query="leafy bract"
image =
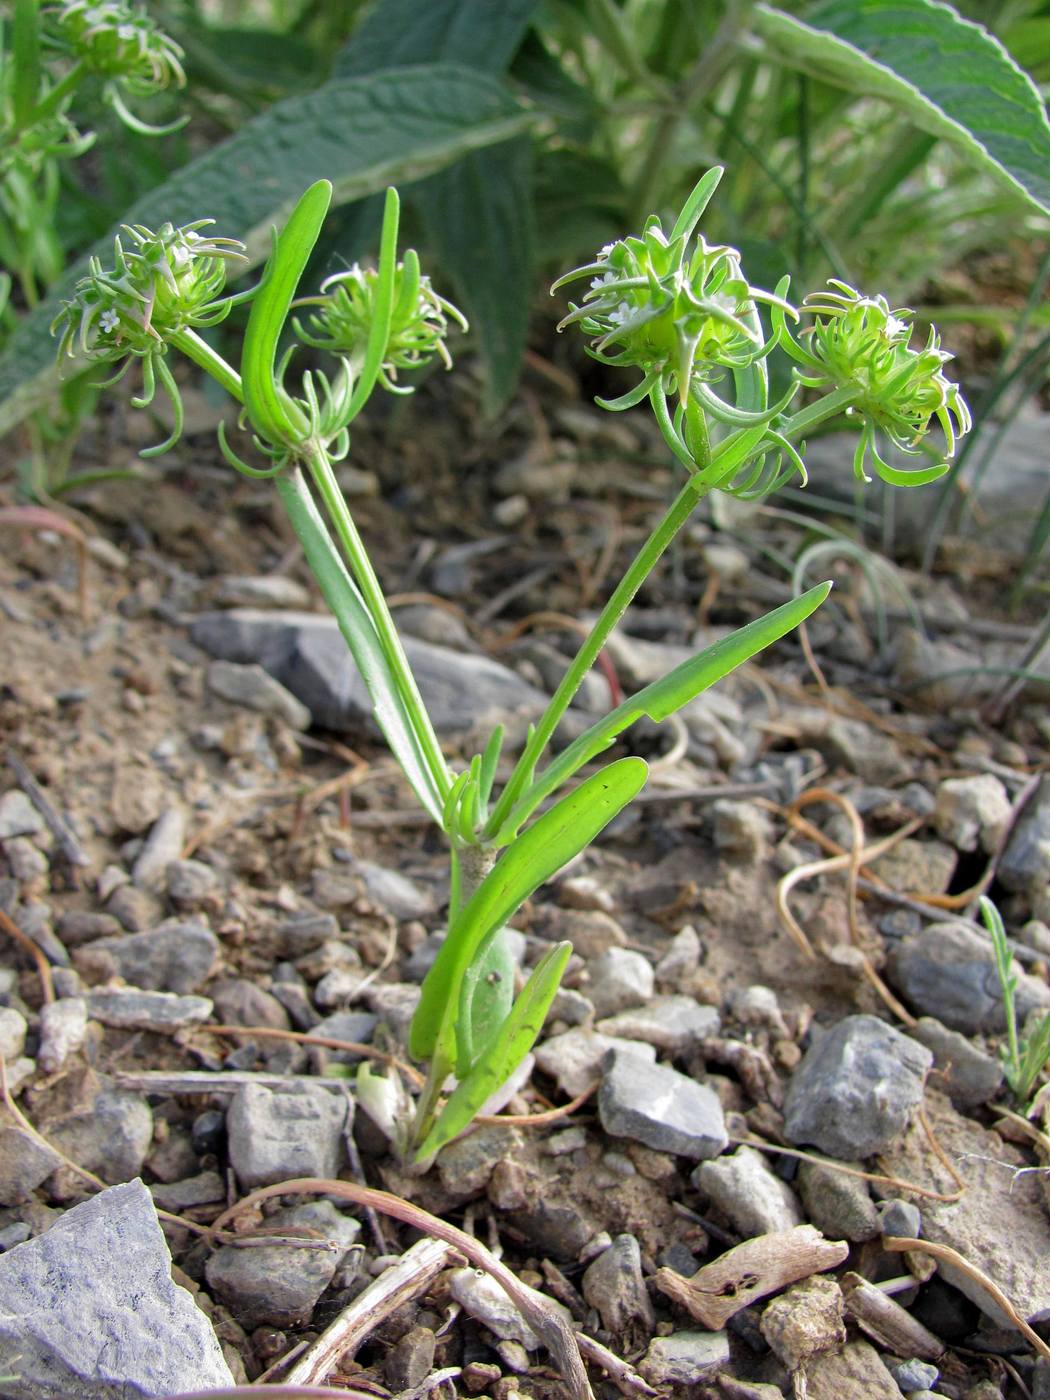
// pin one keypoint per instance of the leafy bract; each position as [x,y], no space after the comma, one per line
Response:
[552,841]
[946,74]
[361,133]
[665,697]
[501,1057]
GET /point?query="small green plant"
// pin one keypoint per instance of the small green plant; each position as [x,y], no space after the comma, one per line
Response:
[1024,1059]
[669,306]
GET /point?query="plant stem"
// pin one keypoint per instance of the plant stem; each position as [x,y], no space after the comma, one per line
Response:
[54,99]
[371,591]
[644,561]
[828,407]
[209,360]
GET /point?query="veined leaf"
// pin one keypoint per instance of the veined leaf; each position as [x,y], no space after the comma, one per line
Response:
[477,33]
[665,697]
[548,844]
[361,133]
[498,1061]
[485,998]
[946,74]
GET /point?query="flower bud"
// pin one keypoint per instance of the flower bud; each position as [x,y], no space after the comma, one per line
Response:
[118,40]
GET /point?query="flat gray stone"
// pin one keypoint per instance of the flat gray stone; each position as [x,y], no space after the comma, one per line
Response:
[111,1138]
[744,1188]
[25,1162]
[91,1313]
[307,653]
[18,816]
[672,1024]
[947,970]
[255,689]
[620,977]
[260,591]
[659,1107]
[856,1089]
[276,1136]
[969,1076]
[129,1009]
[972,812]
[277,1285]
[574,1059]
[176,956]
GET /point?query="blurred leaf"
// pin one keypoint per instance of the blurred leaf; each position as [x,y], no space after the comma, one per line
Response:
[949,76]
[479,34]
[231,58]
[1029,42]
[477,218]
[362,133]
[579,204]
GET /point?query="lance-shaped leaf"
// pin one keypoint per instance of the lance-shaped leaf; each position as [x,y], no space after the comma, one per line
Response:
[270,407]
[665,697]
[534,857]
[501,1057]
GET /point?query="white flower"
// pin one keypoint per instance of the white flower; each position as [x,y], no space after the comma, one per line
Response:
[109,320]
[894,327]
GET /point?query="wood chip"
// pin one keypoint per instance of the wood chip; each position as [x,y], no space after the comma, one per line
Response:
[752,1270]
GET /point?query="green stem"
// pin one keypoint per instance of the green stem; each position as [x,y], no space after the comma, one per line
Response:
[371,591]
[828,407]
[54,99]
[209,360]
[643,564]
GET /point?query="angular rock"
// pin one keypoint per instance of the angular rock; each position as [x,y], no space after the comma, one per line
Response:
[12,1033]
[672,1024]
[132,1010]
[18,816]
[63,1026]
[917,867]
[804,1322]
[972,812]
[948,971]
[620,977]
[304,931]
[90,1311]
[613,1284]
[660,1108]
[275,1136]
[574,1059]
[682,957]
[969,1076]
[255,689]
[240,1002]
[277,1285]
[741,829]
[192,884]
[856,1089]
[163,845]
[110,1138]
[466,1164]
[176,956]
[78,926]
[199,1190]
[685,1358]
[854,1373]
[306,653]
[839,1206]
[1025,864]
[260,591]
[873,756]
[138,797]
[481,1296]
[400,896]
[25,1162]
[742,1186]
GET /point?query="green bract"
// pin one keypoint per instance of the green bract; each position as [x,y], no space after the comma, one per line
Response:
[119,41]
[857,343]
[345,312]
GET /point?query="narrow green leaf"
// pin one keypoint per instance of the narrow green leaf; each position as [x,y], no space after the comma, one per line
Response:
[922,476]
[489,761]
[537,854]
[693,208]
[949,76]
[348,607]
[665,697]
[505,1053]
[382,306]
[25,61]
[361,133]
[270,409]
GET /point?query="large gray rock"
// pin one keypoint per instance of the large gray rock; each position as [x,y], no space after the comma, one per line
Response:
[744,1188]
[277,1285]
[88,1311]
[278,1136]
[856,1089]
[947,970]
[307,654]
[176,956]
[659,1107]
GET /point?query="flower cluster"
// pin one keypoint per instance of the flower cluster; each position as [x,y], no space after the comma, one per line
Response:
[346,309]
[118,40]
[681,318]
[164,283]
[857,343]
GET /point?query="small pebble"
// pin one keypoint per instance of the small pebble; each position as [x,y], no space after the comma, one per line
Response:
[915,1375]
[63,1026]
[12,1033]
[900,1218]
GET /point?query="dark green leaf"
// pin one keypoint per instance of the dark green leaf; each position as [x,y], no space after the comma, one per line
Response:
[480,34]
[477,219]
[946,74]
[361,133]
